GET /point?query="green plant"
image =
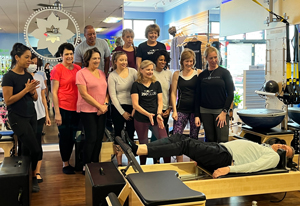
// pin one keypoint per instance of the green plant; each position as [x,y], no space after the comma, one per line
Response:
[236,99]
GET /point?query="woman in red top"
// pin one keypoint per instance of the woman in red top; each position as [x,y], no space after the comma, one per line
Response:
[64,94]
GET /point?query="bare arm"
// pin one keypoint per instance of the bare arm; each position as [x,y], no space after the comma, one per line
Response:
[174,93]
[137,107]
[106,65]
[54,90]
[138,62]
[90,100]
[48,121]
[160,103]
[30,86]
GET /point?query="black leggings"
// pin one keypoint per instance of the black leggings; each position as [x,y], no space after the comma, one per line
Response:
[94,127]
[25,129]
[119,121]
[209,155]
[67,131]
[214,133]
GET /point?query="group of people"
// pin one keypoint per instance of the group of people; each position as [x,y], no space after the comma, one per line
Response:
[141,92]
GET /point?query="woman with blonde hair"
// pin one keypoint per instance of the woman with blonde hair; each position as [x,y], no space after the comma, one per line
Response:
[214,97]
[147,100]
[120,81]
[184,81]
[128,47]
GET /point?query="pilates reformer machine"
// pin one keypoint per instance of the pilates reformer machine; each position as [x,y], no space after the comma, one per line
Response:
[157,184]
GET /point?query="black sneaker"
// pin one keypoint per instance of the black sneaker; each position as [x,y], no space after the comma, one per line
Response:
[35,185]
[132,145]
[69,170]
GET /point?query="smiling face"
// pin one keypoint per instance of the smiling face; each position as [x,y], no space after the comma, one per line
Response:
[212,59]
[188,64]
[152,36]
[67,57]
[128,38]
[288,149]
[90,35]
[121,62]
[94,61]
[24,60]
[161,62]
[147,72]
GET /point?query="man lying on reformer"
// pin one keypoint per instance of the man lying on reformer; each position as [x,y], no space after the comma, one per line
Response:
[238,156]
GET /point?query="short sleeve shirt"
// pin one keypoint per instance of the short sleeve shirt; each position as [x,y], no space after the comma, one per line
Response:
[146,52]
[24,106]
[38,104]
[97,88]
[147,99]
[101,45]
[67,92]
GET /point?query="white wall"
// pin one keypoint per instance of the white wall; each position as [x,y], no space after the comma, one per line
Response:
[241,16]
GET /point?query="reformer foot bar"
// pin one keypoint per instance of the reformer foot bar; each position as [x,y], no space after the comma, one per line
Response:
[235,186]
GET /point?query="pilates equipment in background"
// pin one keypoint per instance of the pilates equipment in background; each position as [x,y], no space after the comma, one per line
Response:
[261,118]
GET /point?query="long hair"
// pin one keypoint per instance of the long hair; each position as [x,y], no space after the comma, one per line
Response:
[115,57]
[18,49]
[143,65]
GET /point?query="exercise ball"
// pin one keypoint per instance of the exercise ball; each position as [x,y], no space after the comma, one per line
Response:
[271,86]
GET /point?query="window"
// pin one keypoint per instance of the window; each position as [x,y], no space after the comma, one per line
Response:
[215,27]
[138,26]
[257,35]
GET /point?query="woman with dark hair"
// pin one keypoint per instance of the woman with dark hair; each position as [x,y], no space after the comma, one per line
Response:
[119,85]
[64,95]
[92,104]
[146,49]
[146,96]
[19,92]
[128,47]
[213,98]
[164,76]
[40,108]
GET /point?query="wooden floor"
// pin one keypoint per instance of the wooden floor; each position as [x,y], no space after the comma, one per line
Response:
[59,189]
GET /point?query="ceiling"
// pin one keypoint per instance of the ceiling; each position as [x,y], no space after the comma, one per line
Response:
[151,5]
[93,12]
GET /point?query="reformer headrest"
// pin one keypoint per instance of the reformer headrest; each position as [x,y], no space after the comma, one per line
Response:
[282,160]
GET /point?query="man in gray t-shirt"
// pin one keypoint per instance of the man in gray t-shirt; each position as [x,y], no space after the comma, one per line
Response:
[91,42]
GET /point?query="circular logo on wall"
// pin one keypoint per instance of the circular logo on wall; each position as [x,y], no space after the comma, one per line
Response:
[47,28]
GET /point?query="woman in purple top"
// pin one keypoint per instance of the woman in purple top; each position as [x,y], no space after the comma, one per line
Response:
[128,47]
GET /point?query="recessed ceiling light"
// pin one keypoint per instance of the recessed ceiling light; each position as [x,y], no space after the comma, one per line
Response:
[99,29]
[112,19]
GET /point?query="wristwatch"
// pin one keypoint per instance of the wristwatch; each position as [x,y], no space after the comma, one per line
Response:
[106,103]
[224,110]
[230,110]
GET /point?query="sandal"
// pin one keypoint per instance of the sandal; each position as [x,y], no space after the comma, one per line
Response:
[39,180]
